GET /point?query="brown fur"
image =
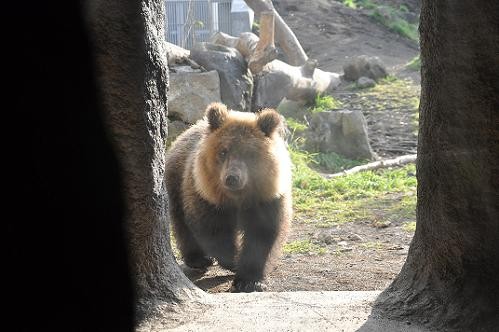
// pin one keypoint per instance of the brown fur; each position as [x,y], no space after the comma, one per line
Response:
[207,217]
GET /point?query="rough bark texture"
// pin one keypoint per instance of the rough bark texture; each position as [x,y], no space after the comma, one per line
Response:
[285,37]
[129,38]
[450,280]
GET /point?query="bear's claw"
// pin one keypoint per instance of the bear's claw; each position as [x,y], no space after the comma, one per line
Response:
[246,286]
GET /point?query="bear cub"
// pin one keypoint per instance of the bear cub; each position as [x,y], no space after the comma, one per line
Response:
[229,184]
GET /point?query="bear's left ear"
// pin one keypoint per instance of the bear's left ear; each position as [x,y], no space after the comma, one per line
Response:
[268,121]
[216,113]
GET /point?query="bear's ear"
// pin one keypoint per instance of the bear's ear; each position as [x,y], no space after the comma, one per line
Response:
[268,121]
[216,113]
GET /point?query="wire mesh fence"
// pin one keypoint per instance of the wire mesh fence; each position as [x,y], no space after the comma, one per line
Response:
[191,21]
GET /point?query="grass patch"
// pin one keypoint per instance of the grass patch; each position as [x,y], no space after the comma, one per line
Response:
[389,16]
[409,226]
[324,103]
[295,126]
[347,198]
[333,162]
[303,247]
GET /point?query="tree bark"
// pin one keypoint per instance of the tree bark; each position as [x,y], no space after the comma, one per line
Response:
[132,64]
[285,37]
[451,277]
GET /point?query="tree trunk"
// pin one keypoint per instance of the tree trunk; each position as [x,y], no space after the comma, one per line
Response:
[131,58]
[285,37]
[451,277]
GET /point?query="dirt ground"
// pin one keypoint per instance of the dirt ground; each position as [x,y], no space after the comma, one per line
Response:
[363,255]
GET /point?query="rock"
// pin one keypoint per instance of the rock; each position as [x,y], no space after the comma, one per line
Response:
[175,128]
[326,81]
[176,54]
[356,237]
[185,69]
[236,81]
[325,237]
[365,82]
[370,67]
[343,132]
[292,109]
[190,93]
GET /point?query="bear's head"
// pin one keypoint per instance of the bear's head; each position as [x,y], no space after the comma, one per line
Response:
[242,157]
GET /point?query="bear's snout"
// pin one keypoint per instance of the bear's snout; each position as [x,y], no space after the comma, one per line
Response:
[234,178]
[233,182]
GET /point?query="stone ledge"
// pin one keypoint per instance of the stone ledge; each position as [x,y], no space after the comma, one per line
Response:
[292,311]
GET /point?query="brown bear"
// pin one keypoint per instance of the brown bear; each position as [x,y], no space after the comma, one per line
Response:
[229,183]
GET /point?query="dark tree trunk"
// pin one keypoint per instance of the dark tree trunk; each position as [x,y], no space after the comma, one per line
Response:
[451,277]
[129,39]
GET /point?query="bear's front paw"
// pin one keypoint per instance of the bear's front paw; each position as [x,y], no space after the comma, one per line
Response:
[198,262]
[246,286]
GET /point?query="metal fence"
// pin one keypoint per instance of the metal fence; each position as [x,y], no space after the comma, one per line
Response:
[191,21]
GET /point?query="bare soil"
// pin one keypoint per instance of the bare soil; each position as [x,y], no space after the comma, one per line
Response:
[361,255]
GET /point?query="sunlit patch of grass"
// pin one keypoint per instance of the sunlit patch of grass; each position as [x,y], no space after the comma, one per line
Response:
[409,226]
[295,126]
[332,162]
[324,103]
[347,198]
[389,16]
[303,247]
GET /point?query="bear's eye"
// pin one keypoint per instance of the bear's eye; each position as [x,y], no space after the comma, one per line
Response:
[222,153]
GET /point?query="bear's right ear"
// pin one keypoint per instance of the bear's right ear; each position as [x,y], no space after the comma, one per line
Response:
[216,113]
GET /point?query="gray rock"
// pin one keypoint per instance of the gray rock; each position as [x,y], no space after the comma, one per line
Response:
[190,93]
[175,128]
[292,109]
[343,132]
[370,67]
[236,81]
[365,82]
[185,69]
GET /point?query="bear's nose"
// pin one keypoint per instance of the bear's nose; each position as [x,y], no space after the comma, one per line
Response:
[233,182]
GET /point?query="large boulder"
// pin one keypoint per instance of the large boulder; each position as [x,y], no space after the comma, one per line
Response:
[364,65]
[191,92]
[236,81]
[343,132]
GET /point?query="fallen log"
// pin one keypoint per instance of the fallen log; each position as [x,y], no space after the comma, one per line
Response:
[399,161]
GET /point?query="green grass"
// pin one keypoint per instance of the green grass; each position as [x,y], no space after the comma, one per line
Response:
[332,162]
[324,103]
[410,226]
[389,16]
[348,198]
[303,247]
[295,126]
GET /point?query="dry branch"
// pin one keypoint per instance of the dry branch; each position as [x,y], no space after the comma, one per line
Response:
[265,50]
[399,161]
[283,34]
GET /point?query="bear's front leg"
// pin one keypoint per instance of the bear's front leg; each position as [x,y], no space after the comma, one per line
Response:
[261,225]
[215,230]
